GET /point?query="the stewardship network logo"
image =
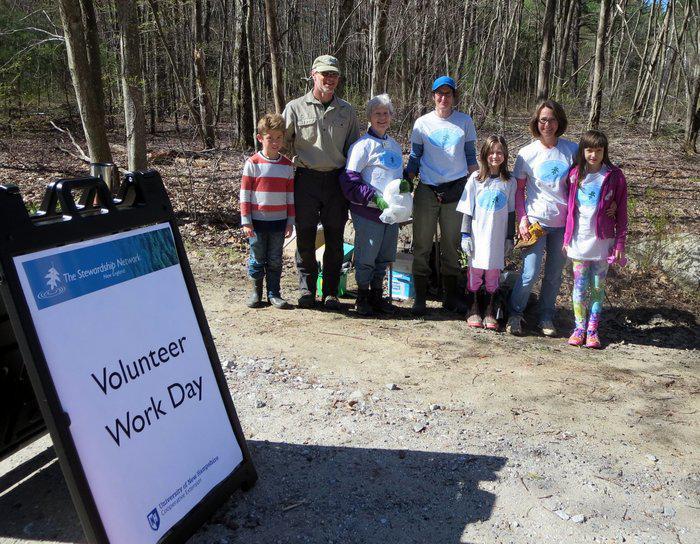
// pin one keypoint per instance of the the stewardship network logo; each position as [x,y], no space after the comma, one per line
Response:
[53,281]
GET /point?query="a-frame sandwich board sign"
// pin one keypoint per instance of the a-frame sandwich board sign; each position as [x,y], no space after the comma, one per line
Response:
[113,335]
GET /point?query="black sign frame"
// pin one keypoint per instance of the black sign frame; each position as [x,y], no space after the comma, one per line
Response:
[62,220]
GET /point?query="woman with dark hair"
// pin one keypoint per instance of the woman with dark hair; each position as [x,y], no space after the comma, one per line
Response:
[541,198]
[443,153]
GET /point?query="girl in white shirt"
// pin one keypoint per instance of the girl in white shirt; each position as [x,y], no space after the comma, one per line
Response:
[488,225]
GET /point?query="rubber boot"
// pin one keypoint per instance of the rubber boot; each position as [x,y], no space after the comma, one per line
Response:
[489,315]
[255,296]
[474,318]
[420,284]
[362,305]
[450,302]
[380,305]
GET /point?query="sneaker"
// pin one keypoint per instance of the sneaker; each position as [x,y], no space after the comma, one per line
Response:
[548,329]
[307,301]
[490,323]
[514,325]
[277,301]
[578,337]
[331,303]
[592,340]
[474,321]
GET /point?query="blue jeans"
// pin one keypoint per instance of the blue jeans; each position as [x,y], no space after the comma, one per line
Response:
[375,249]
[551,281]
[265,259]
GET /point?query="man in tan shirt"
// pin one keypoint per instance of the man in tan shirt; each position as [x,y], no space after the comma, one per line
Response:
[320,127]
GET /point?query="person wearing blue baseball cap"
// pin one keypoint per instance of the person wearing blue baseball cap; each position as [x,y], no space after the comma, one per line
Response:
[443,154]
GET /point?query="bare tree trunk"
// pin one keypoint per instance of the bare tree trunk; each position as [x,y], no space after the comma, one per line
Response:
[575,46]
[132,78]
[462,41]
[565,42]
[177,77]
[641,98]
[690,63]
[379,22]
[273,43]
[546,51]
[643,60]
[222,59]
[83,75]
[599,66]
[676,38]
[206,111]
[692,117]
[251,95]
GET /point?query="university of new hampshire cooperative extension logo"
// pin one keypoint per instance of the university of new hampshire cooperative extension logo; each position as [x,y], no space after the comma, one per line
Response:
[53,282]
[154,519]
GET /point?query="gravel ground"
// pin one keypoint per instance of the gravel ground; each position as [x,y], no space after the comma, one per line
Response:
[403,430]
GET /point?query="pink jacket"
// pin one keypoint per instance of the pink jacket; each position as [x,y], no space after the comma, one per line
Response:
[614,189]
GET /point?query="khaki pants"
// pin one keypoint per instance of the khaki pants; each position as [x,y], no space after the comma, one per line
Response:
[427,214]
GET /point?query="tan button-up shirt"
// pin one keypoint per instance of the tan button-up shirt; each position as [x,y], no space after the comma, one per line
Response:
[316,138]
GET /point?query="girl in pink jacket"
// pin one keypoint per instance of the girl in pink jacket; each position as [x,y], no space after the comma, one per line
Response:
[596,230]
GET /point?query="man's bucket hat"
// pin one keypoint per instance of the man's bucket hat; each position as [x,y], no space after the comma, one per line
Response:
[326,63]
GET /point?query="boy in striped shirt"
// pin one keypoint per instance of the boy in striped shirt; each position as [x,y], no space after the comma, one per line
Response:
[267,210]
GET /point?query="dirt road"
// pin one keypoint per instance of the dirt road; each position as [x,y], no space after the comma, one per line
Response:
[403,430]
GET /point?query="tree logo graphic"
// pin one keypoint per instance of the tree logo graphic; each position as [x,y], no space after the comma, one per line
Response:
[551,172]
[491,200]
[53,278]
[54,283]
[587,197]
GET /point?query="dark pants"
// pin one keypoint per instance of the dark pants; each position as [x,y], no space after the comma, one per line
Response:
[318,198]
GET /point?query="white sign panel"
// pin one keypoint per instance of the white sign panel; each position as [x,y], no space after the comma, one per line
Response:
[128,361]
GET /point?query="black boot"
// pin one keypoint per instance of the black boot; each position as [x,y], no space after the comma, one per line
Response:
[379,304]
[255,296]
[362,303]
[421,286]
[489,315]
[474,317]
[451,302]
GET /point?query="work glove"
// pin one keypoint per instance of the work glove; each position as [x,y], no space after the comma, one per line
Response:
[508,248]
[380,202]
[467,244]
[406,186]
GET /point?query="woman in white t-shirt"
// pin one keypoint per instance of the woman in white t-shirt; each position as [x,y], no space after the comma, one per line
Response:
[443,152]
[373,162]
[541,169]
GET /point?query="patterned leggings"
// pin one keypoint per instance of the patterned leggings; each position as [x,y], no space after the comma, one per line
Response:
[589,277]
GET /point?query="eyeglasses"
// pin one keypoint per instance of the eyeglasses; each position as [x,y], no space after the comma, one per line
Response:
[330,75]
[547,120]
[444,93]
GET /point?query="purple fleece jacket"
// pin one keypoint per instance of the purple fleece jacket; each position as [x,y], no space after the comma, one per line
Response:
[360,195]
[614,189]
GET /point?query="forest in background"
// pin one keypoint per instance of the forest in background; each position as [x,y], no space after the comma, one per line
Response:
[209,68]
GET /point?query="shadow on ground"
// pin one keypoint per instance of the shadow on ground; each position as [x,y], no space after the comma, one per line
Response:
[660,327]
[339,494]
[35,503]
[316,494]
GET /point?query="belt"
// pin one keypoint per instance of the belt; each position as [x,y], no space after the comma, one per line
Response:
[319,174]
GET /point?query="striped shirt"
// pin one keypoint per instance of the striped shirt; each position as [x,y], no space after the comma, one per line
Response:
[267,191]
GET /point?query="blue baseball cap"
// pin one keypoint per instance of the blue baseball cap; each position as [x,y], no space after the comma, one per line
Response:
[444,80]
